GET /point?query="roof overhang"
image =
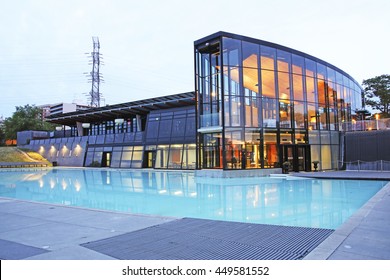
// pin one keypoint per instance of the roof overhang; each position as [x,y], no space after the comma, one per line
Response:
[124,110]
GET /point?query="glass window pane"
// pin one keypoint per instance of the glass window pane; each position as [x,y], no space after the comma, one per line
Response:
[284,61]
[298,87]
[251,79]
[250,55]
[267,58]
[314,138]
[299,114]
[297,64]
[285,114]
[312,116]
[321,91]
[175,156]
[269,112]
[271,158]
[231,51]
[268,83]
[311,90]
[310,67]
[162,156]
[284,85]
[321,71]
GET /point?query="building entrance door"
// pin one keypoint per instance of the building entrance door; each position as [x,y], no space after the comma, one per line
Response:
[106,159]
[149,159]
[298,156]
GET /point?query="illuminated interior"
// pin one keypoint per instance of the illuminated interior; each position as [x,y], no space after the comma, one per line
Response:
[271,98]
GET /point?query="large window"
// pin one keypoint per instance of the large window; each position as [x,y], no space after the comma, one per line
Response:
[265,88]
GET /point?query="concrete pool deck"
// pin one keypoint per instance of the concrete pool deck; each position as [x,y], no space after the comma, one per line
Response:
[39,231]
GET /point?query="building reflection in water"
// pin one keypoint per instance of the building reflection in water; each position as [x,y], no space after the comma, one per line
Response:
[303,202]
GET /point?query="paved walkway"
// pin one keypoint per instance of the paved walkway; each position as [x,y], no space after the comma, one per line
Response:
[356,175]
[30,230]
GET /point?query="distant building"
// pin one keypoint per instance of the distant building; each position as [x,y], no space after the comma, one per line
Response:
[62,108]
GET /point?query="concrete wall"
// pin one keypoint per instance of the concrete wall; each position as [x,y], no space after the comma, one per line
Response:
[24,137]
[62,151]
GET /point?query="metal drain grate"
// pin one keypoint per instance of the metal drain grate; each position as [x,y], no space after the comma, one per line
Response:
[191,239]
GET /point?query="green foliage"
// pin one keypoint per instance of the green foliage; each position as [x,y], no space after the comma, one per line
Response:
[377,94]
[94,164]
[28,117]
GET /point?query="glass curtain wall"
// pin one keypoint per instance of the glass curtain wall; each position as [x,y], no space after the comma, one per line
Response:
[254,99]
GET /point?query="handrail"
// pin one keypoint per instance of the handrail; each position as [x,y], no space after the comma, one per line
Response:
[362,165]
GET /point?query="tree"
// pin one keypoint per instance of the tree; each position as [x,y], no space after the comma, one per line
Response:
[377,94]
[2,134]
[28,117]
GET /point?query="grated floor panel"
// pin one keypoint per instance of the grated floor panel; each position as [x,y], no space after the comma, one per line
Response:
[192,239]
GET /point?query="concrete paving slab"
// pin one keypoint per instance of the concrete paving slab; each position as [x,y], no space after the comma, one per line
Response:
[10,222]
[59,230]
[71,253]
[17,206]
[341,255]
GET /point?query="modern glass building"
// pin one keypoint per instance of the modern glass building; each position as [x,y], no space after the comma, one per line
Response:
[151,133]
[261,104]
[256,105]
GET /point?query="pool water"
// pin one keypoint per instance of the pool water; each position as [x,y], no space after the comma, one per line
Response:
[266,200]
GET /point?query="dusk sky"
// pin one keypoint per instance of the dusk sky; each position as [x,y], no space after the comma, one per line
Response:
[147,46]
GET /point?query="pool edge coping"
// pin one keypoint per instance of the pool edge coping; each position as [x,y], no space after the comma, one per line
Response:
[333,242]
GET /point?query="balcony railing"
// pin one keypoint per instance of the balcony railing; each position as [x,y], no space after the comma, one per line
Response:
[210,120]
[366,125]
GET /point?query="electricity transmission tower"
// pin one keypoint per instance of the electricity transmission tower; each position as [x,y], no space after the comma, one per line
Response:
[95,75]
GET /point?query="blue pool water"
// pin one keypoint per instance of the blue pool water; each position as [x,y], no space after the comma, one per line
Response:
[266,200]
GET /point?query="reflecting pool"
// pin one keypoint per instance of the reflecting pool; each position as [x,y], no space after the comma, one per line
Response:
[266,200]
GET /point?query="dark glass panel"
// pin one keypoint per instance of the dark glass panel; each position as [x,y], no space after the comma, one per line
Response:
[178,127]
[165,128]
[152,131]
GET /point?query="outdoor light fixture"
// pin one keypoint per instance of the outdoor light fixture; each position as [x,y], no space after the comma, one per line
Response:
[86,125]
[119,121]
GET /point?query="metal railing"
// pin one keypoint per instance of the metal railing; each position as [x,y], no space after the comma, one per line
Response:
[366,125]
[360,165]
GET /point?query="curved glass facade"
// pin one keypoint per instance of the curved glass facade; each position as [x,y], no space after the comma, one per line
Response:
[260,104]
